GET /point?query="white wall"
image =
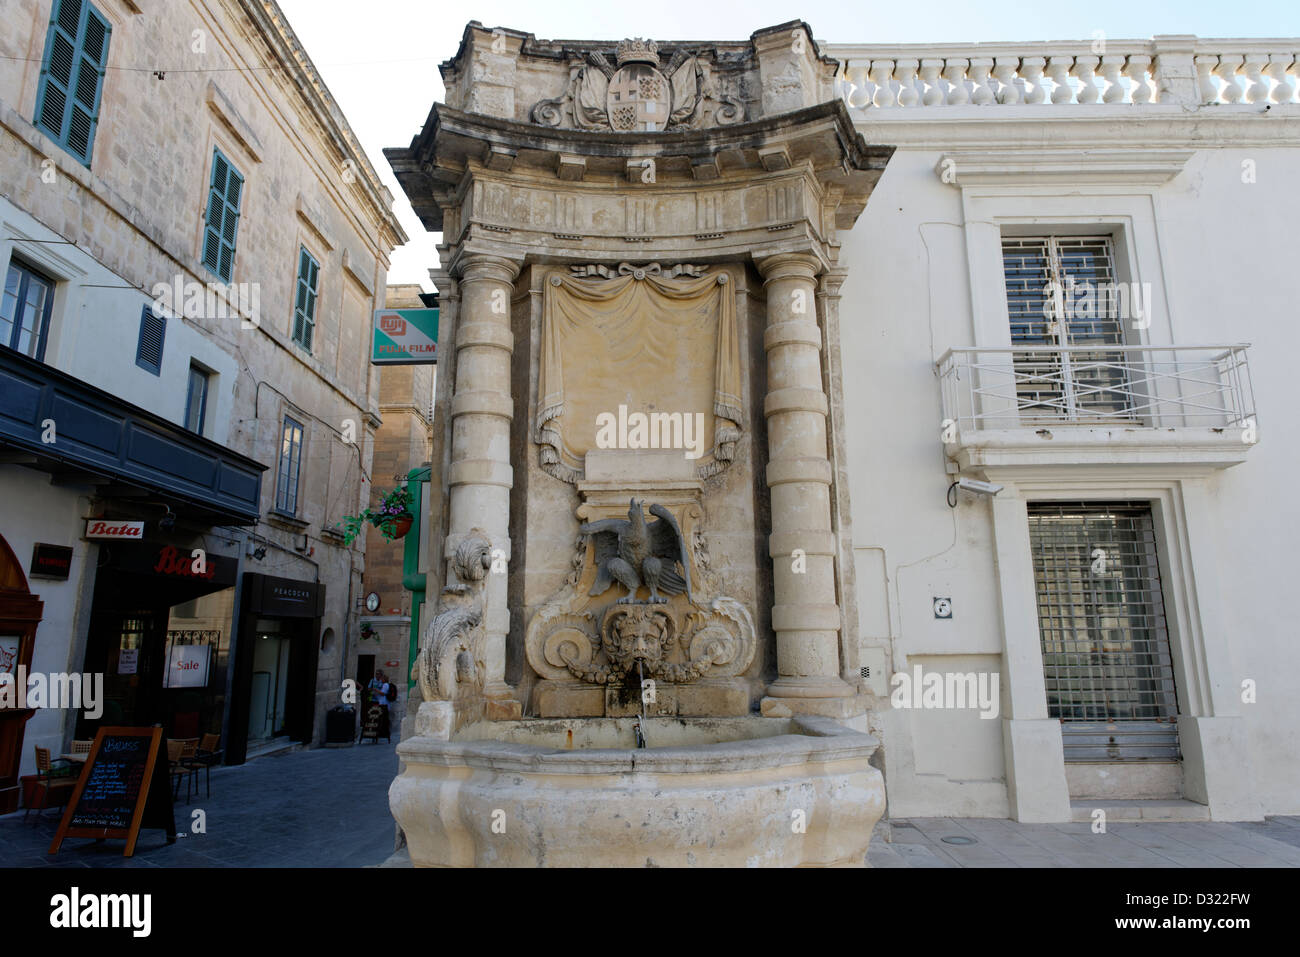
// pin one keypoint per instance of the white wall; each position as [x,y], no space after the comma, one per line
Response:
[95,329]
[1227,255]
[53,516]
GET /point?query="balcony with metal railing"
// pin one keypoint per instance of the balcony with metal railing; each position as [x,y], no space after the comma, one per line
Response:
[1096,405]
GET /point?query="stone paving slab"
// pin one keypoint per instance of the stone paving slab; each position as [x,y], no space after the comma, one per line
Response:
[307,808]
[1275,842]
[329,808]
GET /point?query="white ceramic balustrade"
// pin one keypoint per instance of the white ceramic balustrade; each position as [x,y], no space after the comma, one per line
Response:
[1180,70]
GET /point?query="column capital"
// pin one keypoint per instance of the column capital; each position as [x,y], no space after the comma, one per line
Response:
[478,266]
[789,266]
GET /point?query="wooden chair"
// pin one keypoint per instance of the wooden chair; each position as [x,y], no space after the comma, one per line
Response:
[179,757]
[56,780]
[81,747]
[205,757]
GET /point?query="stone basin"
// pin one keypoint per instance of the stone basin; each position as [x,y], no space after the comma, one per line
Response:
[712,792]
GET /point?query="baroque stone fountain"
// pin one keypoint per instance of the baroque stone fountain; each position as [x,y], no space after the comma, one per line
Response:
[644,652]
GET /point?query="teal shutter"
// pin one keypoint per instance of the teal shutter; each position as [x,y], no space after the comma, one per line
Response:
[226,189]
[72,76]
[304,310]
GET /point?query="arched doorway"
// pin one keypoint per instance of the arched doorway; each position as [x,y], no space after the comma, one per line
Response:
[20,613]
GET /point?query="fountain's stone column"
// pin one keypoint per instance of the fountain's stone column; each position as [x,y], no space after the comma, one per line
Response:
[480,475]
[806,615]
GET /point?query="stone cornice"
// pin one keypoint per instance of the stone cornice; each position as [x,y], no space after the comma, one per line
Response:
[455,147]
[282,42]
[1048,167]
[1085,127]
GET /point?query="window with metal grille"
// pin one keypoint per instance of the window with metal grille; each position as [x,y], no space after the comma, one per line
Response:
[304,309]
[25,310]
[286,490]
[1101,618]
[72,76]
[226,190]
[149,347]
[196,399]
[1061,291]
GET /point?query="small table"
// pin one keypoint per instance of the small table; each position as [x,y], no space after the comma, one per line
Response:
[79,758]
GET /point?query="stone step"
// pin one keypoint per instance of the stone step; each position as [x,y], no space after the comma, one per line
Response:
[1169,809]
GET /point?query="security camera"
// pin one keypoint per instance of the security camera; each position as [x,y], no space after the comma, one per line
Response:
[978,487]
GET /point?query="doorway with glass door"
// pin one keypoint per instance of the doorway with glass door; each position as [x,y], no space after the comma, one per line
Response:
[268,698]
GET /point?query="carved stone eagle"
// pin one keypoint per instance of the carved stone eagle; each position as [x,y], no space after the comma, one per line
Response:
[635,553]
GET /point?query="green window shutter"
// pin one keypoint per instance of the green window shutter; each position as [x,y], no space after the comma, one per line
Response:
[304,308]
[72,76]
[221,221]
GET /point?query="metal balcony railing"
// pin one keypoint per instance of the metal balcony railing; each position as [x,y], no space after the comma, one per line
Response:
[1157,387]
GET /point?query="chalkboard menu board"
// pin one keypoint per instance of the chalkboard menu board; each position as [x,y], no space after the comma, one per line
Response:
[115,786]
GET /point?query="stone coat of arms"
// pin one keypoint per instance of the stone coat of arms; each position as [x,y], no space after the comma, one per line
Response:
[636,95]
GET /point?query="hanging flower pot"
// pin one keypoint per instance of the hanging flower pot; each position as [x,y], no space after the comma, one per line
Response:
[392,518]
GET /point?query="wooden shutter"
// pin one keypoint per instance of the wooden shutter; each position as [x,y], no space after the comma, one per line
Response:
[304,313]
[222,217]
[149,349]
[72,78]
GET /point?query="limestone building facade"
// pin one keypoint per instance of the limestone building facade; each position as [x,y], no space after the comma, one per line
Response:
[194,244]
[402,444]
[1004,447]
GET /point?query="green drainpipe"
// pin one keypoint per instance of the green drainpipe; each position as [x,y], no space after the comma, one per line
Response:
[413,580]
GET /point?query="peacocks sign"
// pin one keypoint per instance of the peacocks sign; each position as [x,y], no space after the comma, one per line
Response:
[405,337]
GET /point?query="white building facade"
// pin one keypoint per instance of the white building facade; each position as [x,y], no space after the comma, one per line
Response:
[1075,280]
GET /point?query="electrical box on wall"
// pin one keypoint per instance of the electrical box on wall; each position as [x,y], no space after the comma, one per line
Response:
[943,608]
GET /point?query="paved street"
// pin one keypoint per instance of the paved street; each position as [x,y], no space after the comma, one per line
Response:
[329,808]
[919,842]
[321,808]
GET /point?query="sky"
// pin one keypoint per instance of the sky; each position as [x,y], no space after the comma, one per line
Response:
[381,64]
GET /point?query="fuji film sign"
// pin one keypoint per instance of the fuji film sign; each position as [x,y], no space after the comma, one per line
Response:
[98,528]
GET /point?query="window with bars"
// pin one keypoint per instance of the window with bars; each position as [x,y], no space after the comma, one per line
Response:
[304,309]
[1062,292]
[72,76]
[25,308]
[221,220]
[1107,664]
[286,488]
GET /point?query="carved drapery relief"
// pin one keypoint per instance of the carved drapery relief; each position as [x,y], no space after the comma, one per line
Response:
[638,95]
[642,343]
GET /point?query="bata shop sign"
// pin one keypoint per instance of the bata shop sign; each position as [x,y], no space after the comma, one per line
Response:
[171,561]
[98,528]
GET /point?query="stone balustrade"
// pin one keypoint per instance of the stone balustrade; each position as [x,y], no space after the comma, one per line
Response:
[1181,70]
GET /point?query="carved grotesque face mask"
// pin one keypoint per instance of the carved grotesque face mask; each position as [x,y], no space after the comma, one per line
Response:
[641,634]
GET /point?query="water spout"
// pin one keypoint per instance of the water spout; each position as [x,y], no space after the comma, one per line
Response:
[639,728]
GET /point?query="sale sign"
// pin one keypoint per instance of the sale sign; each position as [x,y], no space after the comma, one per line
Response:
[187,666]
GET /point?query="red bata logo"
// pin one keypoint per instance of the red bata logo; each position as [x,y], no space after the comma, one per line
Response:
[97,529]
[172,562]
[392,324]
